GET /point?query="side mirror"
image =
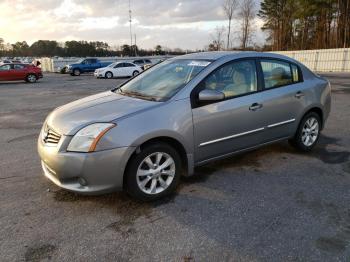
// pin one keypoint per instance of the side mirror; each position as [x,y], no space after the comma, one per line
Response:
[207,95]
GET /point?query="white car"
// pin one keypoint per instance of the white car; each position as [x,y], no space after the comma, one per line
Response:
[118,69]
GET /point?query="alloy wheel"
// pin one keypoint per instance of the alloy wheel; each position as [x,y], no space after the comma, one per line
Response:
[31,78]
[310,131]
[155,173]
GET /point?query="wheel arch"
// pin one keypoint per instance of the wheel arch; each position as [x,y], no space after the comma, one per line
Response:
[173,142]
[316,109]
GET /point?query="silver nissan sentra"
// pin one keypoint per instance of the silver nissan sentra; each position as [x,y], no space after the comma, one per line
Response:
[182,113]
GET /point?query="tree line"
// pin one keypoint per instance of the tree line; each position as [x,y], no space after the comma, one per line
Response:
[48,48]
[288,24]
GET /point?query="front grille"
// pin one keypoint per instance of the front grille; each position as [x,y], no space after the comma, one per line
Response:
[50,136]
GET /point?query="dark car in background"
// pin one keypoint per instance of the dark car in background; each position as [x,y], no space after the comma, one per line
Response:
[19,71]
[142,62]
[85,66]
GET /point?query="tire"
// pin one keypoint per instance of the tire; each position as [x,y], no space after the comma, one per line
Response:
[148,182]
[31,78]
[308,132]
[109,75]
[76,72]
[135,73]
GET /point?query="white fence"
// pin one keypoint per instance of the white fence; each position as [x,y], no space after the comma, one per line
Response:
[322,60]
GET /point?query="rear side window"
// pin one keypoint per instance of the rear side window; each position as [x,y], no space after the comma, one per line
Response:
[5,67]
[276,73]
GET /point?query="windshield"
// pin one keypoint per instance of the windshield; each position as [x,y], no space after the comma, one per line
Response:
[80,61]
[113,64]
[164,80]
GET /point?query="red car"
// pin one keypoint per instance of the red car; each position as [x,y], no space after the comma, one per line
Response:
[18,71]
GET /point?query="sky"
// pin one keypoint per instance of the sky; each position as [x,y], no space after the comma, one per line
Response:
[186,24]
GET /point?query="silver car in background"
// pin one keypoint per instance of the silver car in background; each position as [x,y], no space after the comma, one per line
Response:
[182,113]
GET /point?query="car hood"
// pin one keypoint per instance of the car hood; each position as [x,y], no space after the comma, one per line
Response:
[101,69]
[102,107]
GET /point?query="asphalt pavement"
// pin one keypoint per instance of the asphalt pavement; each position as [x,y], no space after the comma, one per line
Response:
[271,204]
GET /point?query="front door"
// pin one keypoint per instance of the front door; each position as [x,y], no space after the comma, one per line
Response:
[19,72]
[235,123]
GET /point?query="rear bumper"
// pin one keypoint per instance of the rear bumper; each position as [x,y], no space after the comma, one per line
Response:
[85,173]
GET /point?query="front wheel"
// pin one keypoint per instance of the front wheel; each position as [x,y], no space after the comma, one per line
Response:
[76,72]
[108,75]
[135,73]
[31,78]
[154,172]
[308,132]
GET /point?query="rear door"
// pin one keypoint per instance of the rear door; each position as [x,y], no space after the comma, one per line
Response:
[129,69]
[283,97]
[6,72]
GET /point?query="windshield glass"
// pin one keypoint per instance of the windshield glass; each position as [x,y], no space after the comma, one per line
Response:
[113,64]
[164,80]
[80,61]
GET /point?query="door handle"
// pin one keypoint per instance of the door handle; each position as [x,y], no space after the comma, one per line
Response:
[255,106]
[299,94]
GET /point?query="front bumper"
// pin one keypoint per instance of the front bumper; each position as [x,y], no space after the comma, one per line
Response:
[86,173]
[98,74]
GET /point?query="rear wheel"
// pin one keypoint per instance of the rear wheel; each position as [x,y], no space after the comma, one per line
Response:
[135,73]
[154,172]
[108,75]
[31,78]
[308,132]
[76,72]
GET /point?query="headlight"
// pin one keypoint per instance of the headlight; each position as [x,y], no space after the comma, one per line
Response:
[87,138]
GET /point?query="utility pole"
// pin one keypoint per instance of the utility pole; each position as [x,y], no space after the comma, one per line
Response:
[135,45]
[130,28]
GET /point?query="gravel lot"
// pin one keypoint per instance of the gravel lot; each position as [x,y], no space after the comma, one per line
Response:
[271,204]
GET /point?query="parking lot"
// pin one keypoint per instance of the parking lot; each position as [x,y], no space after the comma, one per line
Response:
[271,204]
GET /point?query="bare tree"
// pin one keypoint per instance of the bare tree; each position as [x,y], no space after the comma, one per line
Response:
[217,39]
[247,13]
[229,7]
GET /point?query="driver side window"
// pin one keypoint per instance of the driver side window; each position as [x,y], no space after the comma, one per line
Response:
[234,79]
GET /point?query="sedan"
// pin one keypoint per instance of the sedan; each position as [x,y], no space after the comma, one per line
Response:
[182,113]
[118,69]
[26,72]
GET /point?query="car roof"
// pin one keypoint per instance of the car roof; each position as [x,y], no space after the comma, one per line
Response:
[214,55]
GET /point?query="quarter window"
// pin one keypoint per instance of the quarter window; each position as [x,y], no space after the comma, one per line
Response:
[295,72]
[233,79]
[276,73]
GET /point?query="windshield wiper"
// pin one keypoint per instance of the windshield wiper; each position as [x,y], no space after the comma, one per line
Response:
[138,94]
